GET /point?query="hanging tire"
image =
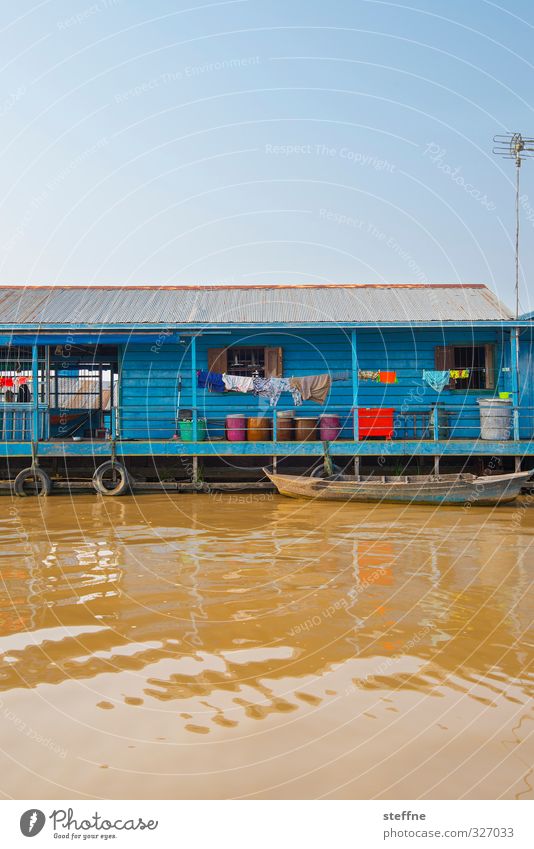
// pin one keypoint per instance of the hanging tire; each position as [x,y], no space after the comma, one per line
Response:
[32,482]
[111,479]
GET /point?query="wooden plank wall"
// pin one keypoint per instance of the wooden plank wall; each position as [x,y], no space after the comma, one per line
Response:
[148,380]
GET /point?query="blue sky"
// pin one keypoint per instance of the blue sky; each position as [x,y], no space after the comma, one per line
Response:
[256,142]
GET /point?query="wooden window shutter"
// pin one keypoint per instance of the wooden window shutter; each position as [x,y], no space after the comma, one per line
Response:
[218,360]
[444,360]
[489,363]
[273,362]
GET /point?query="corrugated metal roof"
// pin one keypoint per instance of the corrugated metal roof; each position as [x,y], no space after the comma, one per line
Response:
[98,306]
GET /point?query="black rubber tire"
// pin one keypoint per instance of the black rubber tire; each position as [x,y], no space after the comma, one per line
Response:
[121,486]
[318,471]
[32,482]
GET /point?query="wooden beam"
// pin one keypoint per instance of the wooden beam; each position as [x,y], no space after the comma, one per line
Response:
[514,361]
[355,385]
[194,387]
[175,448]
[35,393]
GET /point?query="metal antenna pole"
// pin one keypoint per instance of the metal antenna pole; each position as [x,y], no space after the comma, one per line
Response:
[517,173]
[515,146]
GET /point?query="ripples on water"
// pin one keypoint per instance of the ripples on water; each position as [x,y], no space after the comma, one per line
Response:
[264,647]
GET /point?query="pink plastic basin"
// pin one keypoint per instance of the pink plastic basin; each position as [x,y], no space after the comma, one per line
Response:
[329,427]
[236,428]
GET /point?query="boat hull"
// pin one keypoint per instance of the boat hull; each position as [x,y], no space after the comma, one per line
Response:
[455,490]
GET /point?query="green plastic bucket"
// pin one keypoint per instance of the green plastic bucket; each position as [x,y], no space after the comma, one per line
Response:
[186,430]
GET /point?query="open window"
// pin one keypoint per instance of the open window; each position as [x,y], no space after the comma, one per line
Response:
[246,361]
[82,389]
[478,360]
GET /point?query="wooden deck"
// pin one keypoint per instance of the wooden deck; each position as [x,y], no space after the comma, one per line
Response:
[340,448]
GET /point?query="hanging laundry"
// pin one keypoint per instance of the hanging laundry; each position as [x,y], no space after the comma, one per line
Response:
[295,392]
[6,382]
[313,387]
[388,376]
[367,374]
[294,388]
[271,388]
[438,380]
[24,394]
[238,383]
[210,380]
[459,373]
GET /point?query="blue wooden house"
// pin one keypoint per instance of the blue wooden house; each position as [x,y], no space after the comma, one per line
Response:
[113,371]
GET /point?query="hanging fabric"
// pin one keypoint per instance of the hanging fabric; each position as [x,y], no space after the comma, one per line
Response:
[313,387]
[438,380]
[271,388]
[459,373]
[210,380]
[24,394]
[388,376]
[294,388]
[238,383]
[368,374]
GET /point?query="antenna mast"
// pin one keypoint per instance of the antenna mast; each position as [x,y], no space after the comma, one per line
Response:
[514,146]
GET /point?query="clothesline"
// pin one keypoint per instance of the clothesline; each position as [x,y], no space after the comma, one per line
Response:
[377,376]
[313,387]
[438,379]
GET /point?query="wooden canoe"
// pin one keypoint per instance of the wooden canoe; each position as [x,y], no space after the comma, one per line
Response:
[405,489]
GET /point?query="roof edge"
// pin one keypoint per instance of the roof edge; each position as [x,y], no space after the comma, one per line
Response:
[215,286]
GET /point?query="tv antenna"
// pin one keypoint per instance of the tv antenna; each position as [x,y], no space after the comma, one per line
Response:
[514,146]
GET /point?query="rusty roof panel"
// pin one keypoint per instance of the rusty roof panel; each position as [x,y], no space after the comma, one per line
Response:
[98,306]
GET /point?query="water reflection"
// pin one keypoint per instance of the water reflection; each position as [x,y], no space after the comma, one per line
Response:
[229,609]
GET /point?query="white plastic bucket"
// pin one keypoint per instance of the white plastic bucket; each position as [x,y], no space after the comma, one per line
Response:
[495,418]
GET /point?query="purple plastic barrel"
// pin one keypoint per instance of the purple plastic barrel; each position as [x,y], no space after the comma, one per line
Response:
[329,427]
[236,428]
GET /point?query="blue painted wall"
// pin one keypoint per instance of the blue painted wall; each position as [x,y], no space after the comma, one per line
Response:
[148,393]
[526,384]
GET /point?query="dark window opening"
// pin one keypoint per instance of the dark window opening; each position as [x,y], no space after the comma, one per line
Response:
[246,362]
[477,359]
[474,359]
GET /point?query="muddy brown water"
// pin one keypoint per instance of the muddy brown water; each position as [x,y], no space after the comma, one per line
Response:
[196,646]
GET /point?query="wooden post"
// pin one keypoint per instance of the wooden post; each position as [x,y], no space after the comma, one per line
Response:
[436,436]
[194,393]
[35,393]
[514,359]
[355,385]
[327,460]
[275,439]
[436,422]
[195,470]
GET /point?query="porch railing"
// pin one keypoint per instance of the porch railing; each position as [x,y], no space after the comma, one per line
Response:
[434,422]
[16,422]
[437,422]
